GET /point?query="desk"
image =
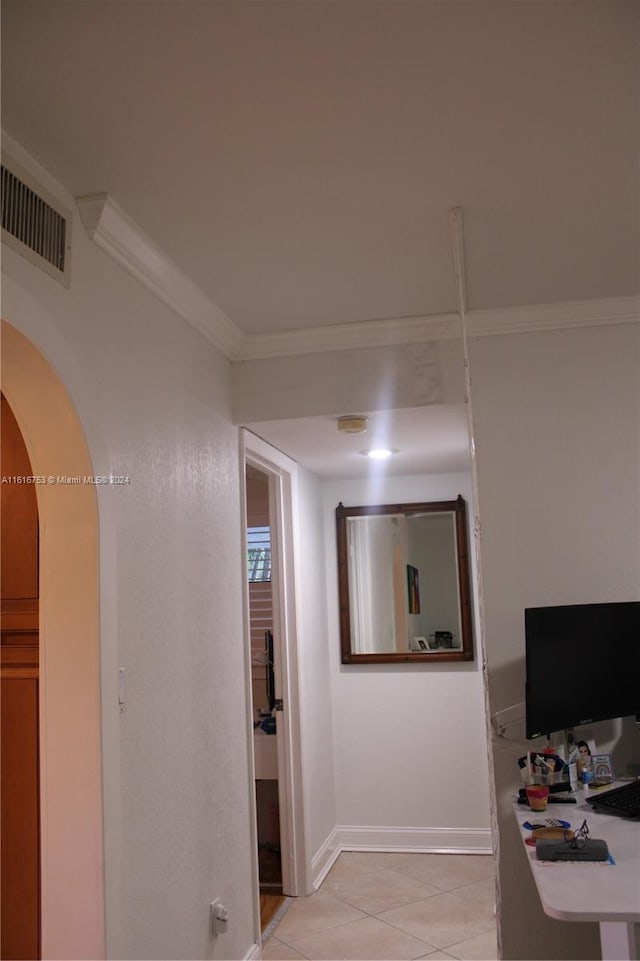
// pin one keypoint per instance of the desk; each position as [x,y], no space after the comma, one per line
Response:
[606,893]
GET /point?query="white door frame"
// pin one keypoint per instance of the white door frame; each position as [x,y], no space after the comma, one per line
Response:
[283,506]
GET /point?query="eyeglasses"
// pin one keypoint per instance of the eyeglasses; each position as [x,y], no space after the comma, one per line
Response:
[579,838]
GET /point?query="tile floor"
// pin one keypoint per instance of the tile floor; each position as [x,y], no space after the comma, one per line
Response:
[394,907]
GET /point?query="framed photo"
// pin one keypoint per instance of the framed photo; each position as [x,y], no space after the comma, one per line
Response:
[413,587]
[602,767]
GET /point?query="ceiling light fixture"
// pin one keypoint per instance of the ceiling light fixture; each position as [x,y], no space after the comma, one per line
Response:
[352,424]
[378,453]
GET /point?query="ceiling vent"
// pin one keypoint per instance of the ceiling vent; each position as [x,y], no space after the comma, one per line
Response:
[34,223]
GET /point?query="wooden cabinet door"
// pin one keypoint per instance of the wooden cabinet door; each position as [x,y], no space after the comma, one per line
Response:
[20,819]
[19,760]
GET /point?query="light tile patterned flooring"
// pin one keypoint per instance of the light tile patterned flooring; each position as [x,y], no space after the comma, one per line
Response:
[394,907]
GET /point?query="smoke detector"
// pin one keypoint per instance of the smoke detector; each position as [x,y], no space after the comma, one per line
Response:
[352,424]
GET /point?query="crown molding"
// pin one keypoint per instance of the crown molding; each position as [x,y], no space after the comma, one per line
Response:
[368,333]
[112,230]
[576,313]
[108,225]
[429,327]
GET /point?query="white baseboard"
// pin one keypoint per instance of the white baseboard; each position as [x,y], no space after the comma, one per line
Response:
[324,859]
[419,840]
[403,840]
[254,953]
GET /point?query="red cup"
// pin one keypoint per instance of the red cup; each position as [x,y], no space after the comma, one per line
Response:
[537,795]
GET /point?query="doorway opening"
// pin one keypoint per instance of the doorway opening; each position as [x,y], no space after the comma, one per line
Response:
[263,687]
[70,746]
[275,758]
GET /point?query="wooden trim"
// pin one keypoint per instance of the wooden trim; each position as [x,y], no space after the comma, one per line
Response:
[19,605]
[458,509]
[20,658]
[21,673]
[23,622]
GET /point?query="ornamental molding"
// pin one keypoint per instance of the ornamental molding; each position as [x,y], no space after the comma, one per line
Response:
[115,233]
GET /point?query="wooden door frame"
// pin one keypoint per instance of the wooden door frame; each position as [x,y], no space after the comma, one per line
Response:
[283,506]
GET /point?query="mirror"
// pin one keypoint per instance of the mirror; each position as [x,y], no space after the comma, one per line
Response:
[403,583]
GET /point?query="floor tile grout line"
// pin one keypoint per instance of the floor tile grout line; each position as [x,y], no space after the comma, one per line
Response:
[356,907]
[484,927]
[377,914]
[310,934]
[477,934]
[292,944]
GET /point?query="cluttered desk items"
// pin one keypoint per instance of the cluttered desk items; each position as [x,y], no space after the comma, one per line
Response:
[546,778]
[605,891]
[572,846]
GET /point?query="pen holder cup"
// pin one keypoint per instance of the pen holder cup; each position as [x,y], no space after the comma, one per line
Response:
[537,796]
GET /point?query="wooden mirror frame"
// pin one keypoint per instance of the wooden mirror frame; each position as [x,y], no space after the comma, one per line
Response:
[458,509]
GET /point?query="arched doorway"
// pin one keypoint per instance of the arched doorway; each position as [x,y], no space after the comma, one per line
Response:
[19,677]
[72,858]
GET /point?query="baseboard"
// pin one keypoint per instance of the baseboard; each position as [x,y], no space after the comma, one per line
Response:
[324,859]
[254,953]
[404,840]
[419,840]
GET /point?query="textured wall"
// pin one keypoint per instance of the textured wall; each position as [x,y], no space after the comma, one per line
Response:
[409,739]
[316,719]
[154,400]
[556,429]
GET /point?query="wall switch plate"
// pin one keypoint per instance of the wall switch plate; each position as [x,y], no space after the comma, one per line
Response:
[122,701]
[219,917]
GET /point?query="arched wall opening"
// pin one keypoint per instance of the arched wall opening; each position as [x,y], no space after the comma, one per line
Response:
[72,851]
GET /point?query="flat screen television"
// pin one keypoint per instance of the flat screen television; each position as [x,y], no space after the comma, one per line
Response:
[582,665]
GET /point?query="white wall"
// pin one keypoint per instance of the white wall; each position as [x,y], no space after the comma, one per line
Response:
[436,559]
[556,429]
[389,378]
[410,743]
[154,400]
[316,720]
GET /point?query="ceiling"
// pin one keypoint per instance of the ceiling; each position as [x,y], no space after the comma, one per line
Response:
[297,159]
[424,440]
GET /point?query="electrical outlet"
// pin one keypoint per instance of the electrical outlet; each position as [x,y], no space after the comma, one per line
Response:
[219,917]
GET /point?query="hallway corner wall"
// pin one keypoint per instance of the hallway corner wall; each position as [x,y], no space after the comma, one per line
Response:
[154,400]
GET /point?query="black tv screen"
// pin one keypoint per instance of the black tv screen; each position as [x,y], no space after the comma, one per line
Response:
[582,665]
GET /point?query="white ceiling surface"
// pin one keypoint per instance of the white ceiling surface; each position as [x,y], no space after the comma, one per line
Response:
[298,159]
[425,440]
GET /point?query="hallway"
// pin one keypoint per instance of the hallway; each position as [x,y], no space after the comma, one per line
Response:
[395,907]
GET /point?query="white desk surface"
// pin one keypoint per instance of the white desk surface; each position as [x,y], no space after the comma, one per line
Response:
[591,891]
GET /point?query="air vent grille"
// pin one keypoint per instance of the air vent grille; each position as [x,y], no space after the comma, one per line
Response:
[32,221]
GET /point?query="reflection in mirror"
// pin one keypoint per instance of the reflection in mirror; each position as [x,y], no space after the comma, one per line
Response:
[403,578]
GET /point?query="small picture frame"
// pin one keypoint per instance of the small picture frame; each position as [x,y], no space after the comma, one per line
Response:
[602,768]
[413,587]
[417,644]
